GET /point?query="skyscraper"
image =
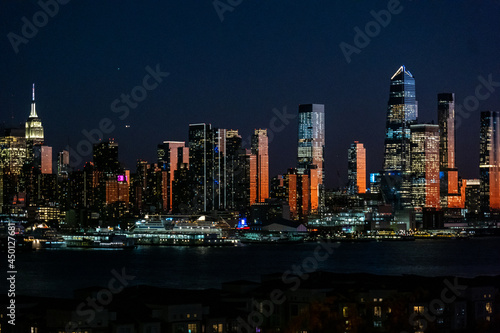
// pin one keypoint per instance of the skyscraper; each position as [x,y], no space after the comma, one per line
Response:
[105,157]
[201,163]
[171,154]
[311,146]
[489,159]
[63,164]
[448,171]
[402,112]
[34,128]
[46,160]
[356,172]
[259,167]
[425,166]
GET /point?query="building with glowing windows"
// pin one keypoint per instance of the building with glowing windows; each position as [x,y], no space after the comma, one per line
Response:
[34,128]
[294,189]
[448,172]
[259,167]
[311,147]
[171,154]
[425,166]
[402,112]
[489,159]
[356,171]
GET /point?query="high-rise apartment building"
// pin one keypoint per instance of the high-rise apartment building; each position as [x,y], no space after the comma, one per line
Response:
[356,171]
[489,160]
[201,151]
[425,166]
[311,146]
[106,157]
[259,167]
[171,154]
[448,172]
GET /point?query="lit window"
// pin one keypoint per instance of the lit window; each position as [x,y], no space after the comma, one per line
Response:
[377,311]
[488,308]
[192,328]
[418,309]
[344,311]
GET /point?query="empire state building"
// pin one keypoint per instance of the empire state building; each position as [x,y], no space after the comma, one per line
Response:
[34,128]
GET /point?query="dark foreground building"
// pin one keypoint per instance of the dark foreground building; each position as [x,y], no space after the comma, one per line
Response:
[313,302]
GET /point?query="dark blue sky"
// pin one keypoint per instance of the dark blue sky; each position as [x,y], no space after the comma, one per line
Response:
[264,55]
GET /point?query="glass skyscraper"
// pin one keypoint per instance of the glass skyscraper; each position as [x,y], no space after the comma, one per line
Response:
[448,171]
[489,159]
[402,112]
[311,146]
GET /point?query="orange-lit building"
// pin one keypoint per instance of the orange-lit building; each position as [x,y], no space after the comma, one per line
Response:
[356,172]
[46,160]
[449,189]
[294,188]
[489,160]
[310,153]
[117,190]
[425,166]
[259,167]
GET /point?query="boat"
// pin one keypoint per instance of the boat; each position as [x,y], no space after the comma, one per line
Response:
[99,240]
[271,238]
[180,232]
[45,237]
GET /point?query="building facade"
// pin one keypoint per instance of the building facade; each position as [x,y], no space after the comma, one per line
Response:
[489,158]
[425,166]
[356,171]
[402,112]
[311,149]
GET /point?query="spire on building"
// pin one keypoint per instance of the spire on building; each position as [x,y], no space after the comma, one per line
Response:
[34,128]
[33,107]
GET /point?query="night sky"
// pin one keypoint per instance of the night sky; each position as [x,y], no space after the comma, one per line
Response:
[264,55]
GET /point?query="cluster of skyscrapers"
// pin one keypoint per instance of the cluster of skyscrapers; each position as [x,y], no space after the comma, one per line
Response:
[214,171]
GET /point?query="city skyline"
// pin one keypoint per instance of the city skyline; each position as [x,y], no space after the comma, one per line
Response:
[234,73]
[445,114]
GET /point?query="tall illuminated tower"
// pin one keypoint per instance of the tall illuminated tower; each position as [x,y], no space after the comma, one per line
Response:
[34,128]
[171,155]
[489,159]
[311,146]
[356,172]
[259,167]
[425,166]
[201,151]
[402,112]
[448,171]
